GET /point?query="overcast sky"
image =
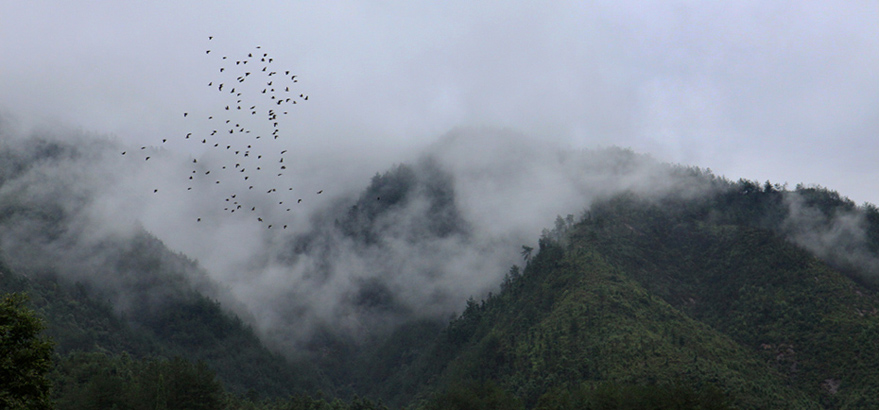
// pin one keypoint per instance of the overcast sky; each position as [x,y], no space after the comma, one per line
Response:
[780,90]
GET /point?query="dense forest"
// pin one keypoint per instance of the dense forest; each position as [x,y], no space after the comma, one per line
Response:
[717,294]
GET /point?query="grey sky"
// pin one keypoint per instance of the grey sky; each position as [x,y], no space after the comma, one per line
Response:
[779,90]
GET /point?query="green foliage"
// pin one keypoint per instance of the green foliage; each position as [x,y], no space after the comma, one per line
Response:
[811,323]
[97,381]
[25,356]
[185,324]
[473,396]
[703,289]
[609,396]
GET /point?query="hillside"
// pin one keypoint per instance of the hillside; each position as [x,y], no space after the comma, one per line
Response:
[682,287]
[191,325]
[702,292]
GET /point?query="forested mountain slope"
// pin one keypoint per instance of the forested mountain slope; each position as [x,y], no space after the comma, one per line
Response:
[704,291]
[190,325]
[684,284]
[812,323]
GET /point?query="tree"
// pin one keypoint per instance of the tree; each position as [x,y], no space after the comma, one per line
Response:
[485,395]
[25,357]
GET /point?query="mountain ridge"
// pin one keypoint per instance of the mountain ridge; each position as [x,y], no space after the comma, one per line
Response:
[764,295]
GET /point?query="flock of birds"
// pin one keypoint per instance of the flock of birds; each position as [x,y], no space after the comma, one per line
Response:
[242,144]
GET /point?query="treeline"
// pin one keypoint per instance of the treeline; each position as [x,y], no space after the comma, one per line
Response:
[87,381]
[603,396]
[713,288]
[192,326]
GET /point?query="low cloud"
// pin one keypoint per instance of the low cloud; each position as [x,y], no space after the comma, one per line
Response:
[412,241]
[838,236]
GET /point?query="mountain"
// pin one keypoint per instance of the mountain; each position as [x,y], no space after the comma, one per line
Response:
[673,287]
[708,291]
[120,293]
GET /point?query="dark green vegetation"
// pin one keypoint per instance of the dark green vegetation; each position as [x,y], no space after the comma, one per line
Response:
[709,295]
[25,357]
